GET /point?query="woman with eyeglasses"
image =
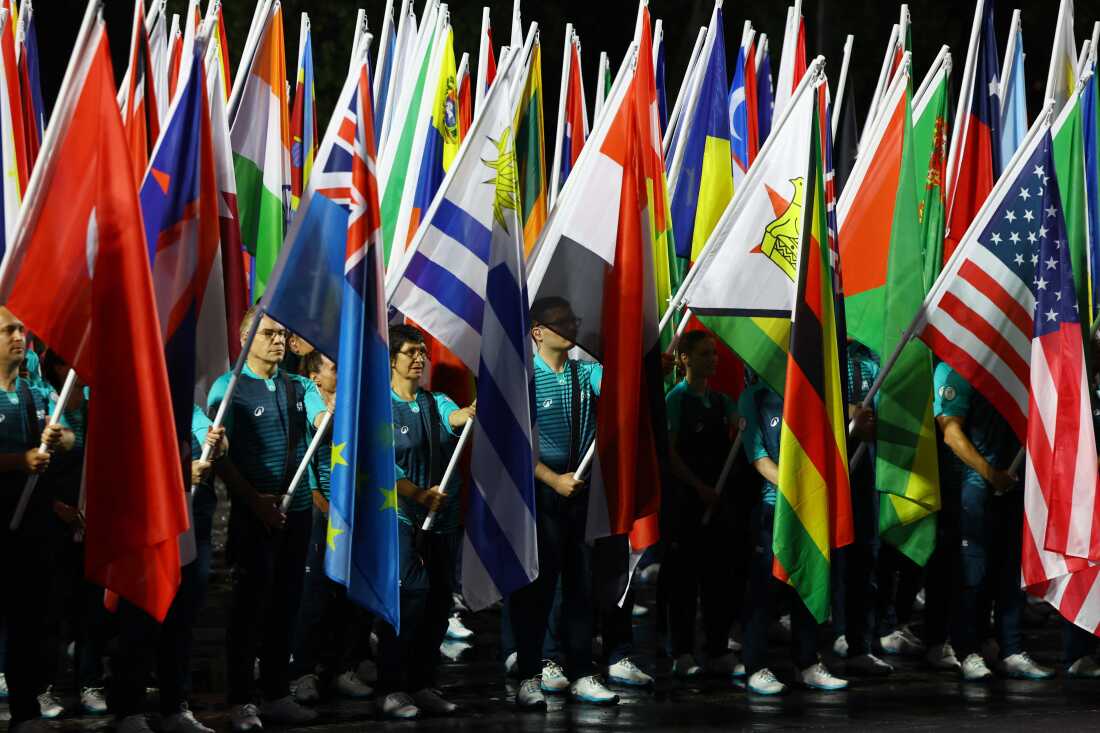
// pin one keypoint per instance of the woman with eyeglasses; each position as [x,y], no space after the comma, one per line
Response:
[426,426]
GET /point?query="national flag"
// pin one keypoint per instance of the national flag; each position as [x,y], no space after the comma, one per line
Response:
[1069,165]
[362,552]
[743,287]
[764,101]
[572,116]
[383,67]
[138,98]
[34,108]
[409,62]
[1061,546]
[846,136]
[463,280]
[260,133]
[742,125]
[83,235]
[813,512]
[1090,124]
[689,82]
[1062,72]
[930,112]
[157,31]
[13,141]
[486,61]
[175,54]
[978,315]
[603,84]
[531,149]
[700,175]
[974,162]
[218,47]
[1013,92]
[659,66]
[303,118]
[465,97]
[517,26]
[179,206]
[792,62]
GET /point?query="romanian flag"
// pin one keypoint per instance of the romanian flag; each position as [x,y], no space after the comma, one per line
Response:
[303,119]
[813,511]
[531,152]
[13,142]
[465,97]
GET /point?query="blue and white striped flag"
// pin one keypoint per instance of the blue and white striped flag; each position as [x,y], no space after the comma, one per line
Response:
[463,280]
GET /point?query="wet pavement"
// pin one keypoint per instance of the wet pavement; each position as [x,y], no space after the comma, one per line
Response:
[913,698]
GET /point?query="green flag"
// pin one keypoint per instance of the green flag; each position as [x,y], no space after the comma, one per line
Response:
[1069,166]
[930,120]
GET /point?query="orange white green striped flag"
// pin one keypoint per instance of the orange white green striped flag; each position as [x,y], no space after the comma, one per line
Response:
[813,509]
[260,135]
[531,151]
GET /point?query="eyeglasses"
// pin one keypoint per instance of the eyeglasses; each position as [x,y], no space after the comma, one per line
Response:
[414,353]
[273,334]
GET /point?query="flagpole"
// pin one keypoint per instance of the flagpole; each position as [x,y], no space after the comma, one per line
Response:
[724,476]
[483,51]
[32,480]
[318,438]
[463,439]
[689,78]
[566,64]
[255,33]
[962,109]
[842,81]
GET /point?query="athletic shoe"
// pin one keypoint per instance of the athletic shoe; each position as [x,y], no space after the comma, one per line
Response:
[245,718]
[184,722]
[457,630]
[591,689]
[685,666]
[431,702]
[763,682]
[974,669]
[367,671]
[638,611]
[399,706]
[942,656]
[1084,668]
[92,701]
[553,679]
[625,672]
[840,646]
[818,677]
[727,664]
[510,664]
[286,711]
[898,642]
[133,724]
[349,685]
[868,665]
[1021,666]
[50,706]
[530,695]
[453,650]
[307,689]
[3,687]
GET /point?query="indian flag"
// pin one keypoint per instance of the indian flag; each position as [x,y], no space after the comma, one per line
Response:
[260,136]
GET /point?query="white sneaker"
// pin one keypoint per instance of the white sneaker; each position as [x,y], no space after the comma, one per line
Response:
[245,718]
[553,679]
[453,650]
[530,695]
[50,706]
[942,656]
[400,706]
[92,701]
[349,685]
[898,642]
[510,664]
[868,665]
[133,724]
[685,666]
[1084,668]
[974,669]
[1021,666]
[591,689]
[367,671]
[820,678]
[307,689]
[625,672]
[184,722]
[457,630]
[840,646]
[431,702]
[763,682]
[286,711]
[727,664]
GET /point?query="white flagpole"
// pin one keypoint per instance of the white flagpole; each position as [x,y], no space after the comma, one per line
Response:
[318,438]
[463,439]
[566,65]
[842,81]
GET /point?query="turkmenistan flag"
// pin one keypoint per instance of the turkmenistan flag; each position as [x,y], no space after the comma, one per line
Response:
[531,152]
[930,120]
[261,152]
[1069,166]
[813,511]
[743,286]
[881,244]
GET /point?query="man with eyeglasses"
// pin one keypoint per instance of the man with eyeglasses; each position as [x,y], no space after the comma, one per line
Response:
[267,425]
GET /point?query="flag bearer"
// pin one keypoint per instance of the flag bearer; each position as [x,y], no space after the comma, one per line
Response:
[267,424]
[698,558]
[27,573]
[983,529]
[762,412]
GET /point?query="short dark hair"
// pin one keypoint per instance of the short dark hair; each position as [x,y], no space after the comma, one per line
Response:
[689,341]
[312,362]
[402,334]
[543,307]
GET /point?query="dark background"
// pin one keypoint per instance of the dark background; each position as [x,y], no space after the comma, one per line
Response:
[606,25]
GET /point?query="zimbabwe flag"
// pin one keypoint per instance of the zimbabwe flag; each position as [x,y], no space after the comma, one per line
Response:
[813,510]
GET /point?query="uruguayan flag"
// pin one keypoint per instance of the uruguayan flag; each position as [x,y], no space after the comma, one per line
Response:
[463,281]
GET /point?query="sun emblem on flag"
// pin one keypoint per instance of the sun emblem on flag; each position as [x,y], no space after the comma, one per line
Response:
[450,112]
[780,240]
[505,178]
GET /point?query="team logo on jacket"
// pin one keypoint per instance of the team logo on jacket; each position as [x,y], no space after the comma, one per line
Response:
[259,411]
[774,422]
[947,392]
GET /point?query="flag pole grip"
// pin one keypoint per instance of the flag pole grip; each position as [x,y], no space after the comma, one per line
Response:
[463,439]
[32,480]
[318,438]
[724,476]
